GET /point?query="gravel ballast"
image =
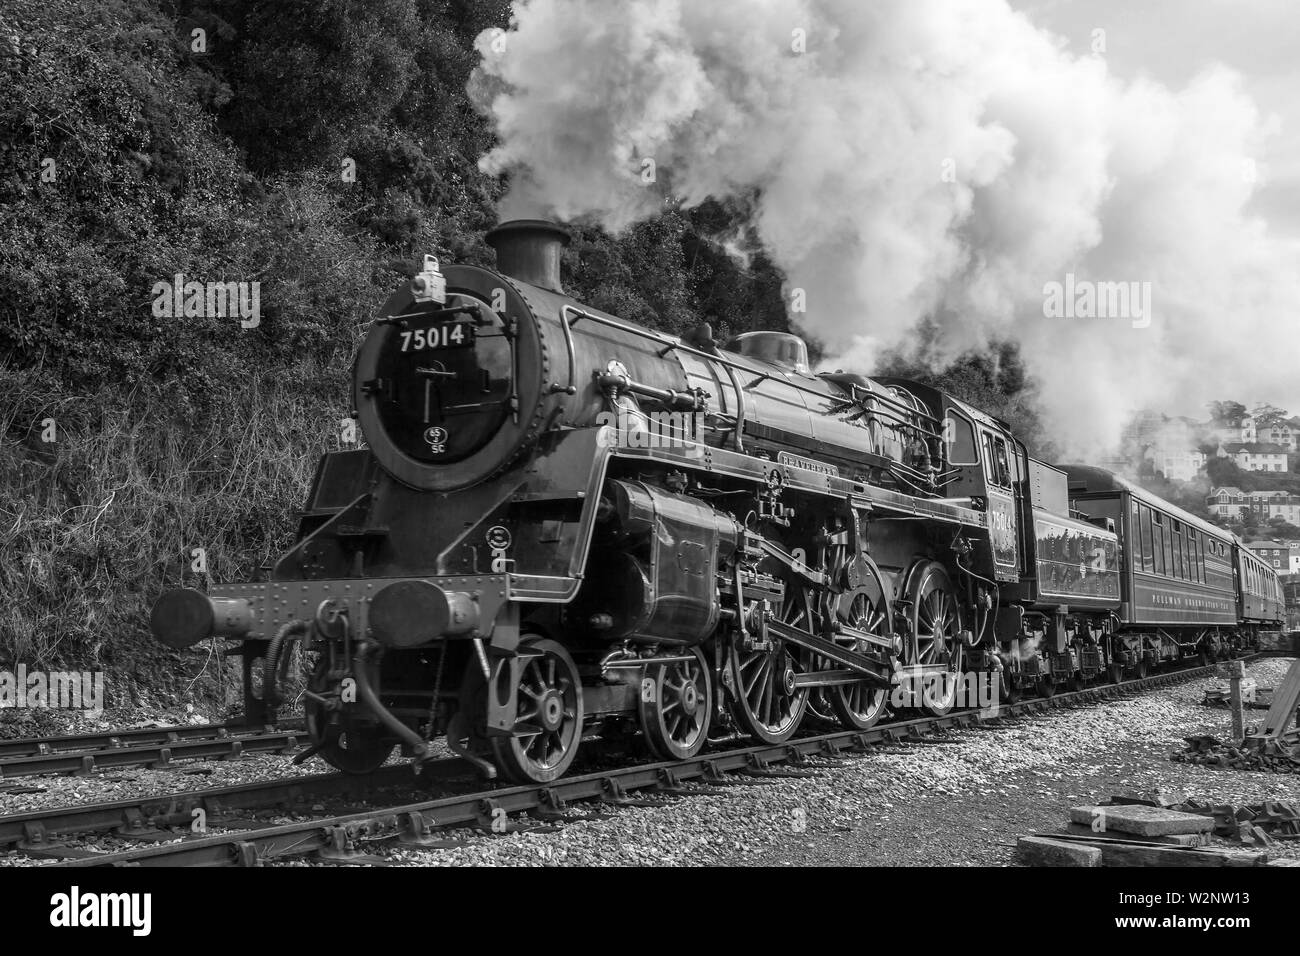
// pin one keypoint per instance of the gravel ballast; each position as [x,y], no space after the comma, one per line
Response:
[960,804]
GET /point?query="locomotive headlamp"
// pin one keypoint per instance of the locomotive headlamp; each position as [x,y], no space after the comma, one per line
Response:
[182,617]
[411,613]
[428,285]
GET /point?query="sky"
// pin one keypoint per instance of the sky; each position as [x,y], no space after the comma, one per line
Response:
[1172,40]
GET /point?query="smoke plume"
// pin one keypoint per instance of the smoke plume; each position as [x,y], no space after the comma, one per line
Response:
[914,158]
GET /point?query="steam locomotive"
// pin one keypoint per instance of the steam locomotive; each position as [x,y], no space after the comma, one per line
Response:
[565,524]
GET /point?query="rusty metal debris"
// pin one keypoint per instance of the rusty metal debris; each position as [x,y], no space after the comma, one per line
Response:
[1277,755]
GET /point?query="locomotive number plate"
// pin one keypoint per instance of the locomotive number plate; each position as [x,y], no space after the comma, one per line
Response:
[444,335]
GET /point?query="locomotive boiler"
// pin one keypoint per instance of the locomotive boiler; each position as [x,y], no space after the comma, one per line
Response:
[565,525]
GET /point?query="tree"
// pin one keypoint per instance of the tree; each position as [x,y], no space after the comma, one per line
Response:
[1226,411]
[1224,473]
[1266,414]
[1279,527]
[993,379]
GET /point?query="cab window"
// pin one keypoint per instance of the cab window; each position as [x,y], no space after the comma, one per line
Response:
[997,464]
[959,436]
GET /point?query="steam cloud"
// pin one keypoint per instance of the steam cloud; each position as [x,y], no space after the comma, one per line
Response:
[1058,167]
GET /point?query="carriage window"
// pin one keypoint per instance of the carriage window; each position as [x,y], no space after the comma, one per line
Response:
[1144,540]
[959,436]
[1176,568]
[1159,544]
[1169,550]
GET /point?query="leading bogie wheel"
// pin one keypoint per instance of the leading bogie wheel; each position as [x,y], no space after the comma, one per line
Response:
[342,737]
[548,717]
[676,705]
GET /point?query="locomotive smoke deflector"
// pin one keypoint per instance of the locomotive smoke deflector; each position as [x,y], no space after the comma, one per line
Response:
[529,250]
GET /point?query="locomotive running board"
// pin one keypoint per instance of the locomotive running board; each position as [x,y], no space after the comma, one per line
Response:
[868,668]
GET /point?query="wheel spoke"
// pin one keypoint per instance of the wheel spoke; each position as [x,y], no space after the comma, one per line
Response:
[759,675]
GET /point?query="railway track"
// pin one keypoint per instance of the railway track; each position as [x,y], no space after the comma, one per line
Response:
[158,746]
[425,823]
[55,832]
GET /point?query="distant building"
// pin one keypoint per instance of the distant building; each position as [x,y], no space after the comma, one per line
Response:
[1284,506]
[1169,446]
[1284,556]
[1254,456]
[1176,465]
[1229,501]
[1276,554]
[1233,431]
[1282,434]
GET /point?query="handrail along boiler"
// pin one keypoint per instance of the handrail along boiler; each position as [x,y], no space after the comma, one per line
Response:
[567,524]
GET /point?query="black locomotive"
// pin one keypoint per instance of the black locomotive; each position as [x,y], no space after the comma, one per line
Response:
[565,524]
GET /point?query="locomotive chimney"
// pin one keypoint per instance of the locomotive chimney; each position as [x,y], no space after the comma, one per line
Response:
[529,250]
